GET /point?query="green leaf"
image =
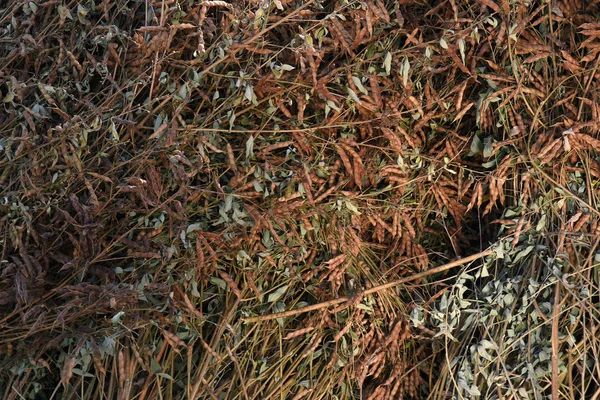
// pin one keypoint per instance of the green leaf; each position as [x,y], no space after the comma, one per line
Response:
[182,92]
[350,206]
[483,273]
[405,71]
[490,164]
[483,353]
[486,344]
[193,227]
[387,63]
[488,147]
[9,97]
[249,93]
[108,345]
[492,21]
[113,131]
[277,294]
[523,253]
[250,147]
[219,282]
[541,224]
[353,95]
[476,145]
[117,318]
[333,106]
[228,203]
[473,391]
[359,85]
[79,372]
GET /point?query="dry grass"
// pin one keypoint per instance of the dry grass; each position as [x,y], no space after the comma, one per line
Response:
[172,170]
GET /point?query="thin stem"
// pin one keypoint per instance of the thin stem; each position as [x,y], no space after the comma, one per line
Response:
[375,289]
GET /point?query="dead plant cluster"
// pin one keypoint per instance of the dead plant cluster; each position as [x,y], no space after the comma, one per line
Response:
[171,169]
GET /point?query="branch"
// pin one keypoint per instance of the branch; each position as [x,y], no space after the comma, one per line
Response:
[375,289]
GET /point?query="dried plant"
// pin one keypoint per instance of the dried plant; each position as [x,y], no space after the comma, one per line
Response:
[171,170]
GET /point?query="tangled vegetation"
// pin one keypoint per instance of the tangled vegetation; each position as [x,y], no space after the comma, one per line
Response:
[277,199]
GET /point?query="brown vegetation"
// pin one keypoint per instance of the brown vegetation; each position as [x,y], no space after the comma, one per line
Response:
[171,171]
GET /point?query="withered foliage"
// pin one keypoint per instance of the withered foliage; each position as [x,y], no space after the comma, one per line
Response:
[168,168]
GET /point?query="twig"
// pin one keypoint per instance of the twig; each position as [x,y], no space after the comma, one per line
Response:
[375,289]
[555,344]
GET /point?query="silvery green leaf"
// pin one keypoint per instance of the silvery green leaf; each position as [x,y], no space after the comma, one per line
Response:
[182,92]
[194,227]
[490,164]
[468,322]
[464,303]
[476,145]
[405,71]
[417,316]
[219,282]
[359,85]
[333,106]
[444,302]
[108,346]
[117,317]
[286,67]
[228,204]
[350,206]
[277,294]
[483,272]
[492,21]
[484,354]
[250,147]
[523,253]
[353,95]
[79,372]
[488,147]
[249,92]
[113,131]
[461,47]
[387,63]
[541,223]
[488,345]
[463,384]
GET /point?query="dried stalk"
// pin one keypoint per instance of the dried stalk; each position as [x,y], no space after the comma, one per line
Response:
[375,289]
